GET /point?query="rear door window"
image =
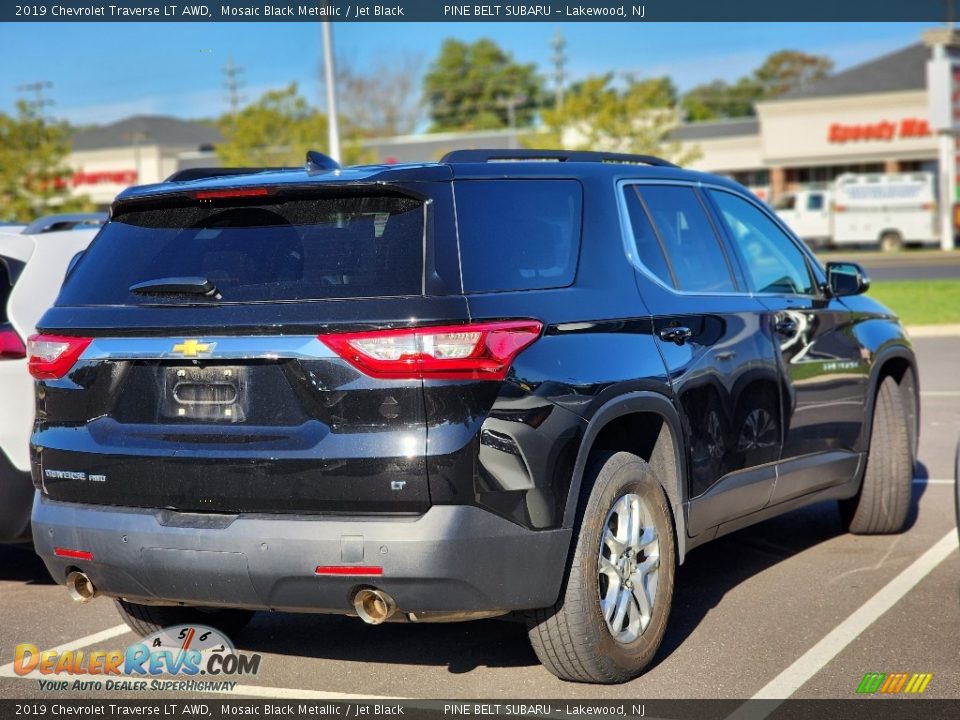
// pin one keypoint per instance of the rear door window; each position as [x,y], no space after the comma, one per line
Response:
[691,257]
[518,234]
[292,248]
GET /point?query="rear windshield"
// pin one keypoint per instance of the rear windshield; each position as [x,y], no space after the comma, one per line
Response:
[518,234]
[290,249]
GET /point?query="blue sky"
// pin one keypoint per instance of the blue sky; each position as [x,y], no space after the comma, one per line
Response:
[105,71]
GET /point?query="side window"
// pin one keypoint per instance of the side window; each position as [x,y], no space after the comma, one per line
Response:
[815,202]
[648,247]
[773,263]
[787,202]
[518,234]
[690,257]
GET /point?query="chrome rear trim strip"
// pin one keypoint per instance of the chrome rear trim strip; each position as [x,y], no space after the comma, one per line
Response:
[209,347]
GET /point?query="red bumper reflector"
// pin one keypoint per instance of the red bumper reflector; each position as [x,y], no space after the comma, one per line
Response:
[365,570]
[75,554]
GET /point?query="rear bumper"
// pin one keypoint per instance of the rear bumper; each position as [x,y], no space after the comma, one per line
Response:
[451,559]
[16,496]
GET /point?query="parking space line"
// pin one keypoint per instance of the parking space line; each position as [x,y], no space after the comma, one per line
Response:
[933,481]
[940,393]
[817,657]
[116,630]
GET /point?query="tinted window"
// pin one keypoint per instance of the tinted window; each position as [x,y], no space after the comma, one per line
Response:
[518,234]
[774,264]
[692,247]
[648,247]
[291,249]
[815,202]
[787,202]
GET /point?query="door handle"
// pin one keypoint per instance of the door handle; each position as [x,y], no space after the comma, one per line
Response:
[786,327]
[678,335]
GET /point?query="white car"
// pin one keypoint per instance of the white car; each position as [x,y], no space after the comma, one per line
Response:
[33,263]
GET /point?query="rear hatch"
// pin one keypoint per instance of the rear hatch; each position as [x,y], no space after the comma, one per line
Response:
[187,364]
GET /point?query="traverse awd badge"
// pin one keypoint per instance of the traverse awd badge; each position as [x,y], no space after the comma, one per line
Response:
[193,348]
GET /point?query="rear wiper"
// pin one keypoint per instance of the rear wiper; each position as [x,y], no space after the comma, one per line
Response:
[177,286]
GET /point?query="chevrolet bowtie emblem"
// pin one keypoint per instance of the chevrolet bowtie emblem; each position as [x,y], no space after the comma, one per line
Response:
[193,348]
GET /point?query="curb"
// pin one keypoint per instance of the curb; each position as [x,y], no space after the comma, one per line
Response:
[933,331]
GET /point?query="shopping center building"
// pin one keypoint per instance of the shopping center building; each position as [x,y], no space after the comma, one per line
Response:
[868,118]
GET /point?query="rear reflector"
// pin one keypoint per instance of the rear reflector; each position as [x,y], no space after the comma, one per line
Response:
[479,351]
[11,346]
[230,193]
[52,356]
[74,554]
[366,570]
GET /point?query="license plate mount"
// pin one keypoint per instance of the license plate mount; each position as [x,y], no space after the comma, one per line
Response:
[214,393]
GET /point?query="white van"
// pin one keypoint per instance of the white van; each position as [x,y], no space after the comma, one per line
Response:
[889,210]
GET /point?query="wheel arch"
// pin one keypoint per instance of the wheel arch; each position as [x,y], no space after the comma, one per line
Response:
[899,362]
[660,443]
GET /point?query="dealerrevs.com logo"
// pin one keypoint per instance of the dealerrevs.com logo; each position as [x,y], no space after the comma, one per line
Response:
[894,683]
[200,658]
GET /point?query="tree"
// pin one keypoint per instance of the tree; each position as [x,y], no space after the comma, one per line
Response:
[479,86]
[635,117]
[719,99]
[34,179]
[780,73]
[384,101]
[276,130]
[788,70]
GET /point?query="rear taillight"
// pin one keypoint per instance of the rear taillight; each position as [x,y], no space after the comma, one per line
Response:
[52,356]
[480,351]
[11,346]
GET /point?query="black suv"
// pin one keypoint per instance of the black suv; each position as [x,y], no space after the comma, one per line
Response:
[520,383]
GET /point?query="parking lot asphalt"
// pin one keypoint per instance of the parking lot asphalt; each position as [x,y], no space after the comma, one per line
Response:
[914,264]
[793,606]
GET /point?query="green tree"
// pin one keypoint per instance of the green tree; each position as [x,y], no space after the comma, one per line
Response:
[276,130]
[479,86]
[719,99]
[635,117]
[34,179]
[780,73]
[788,70]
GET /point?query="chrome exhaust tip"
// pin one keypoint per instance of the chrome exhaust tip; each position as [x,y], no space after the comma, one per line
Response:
[80,587]
[374,606]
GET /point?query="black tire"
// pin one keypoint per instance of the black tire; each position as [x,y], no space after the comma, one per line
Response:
[883,502]
[148,619]
[891,242]
[572,638]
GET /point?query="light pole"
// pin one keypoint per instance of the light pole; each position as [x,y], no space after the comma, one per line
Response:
[333,123]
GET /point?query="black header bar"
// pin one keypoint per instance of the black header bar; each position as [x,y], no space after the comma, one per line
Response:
[933,11]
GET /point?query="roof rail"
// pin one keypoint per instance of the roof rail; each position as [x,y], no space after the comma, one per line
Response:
[212,172]
[66,221]
[317,162]
[486,156]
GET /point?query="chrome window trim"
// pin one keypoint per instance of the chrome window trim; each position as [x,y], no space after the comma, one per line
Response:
[253,347]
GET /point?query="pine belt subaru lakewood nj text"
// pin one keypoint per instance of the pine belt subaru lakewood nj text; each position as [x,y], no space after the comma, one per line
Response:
[520,382]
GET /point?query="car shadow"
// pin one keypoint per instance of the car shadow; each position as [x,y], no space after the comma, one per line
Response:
[461,647]
[19,563]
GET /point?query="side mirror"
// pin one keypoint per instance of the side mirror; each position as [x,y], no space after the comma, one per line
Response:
[846,278]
